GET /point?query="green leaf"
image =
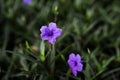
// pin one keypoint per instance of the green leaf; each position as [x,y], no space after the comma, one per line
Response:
[106,62]
[27,45]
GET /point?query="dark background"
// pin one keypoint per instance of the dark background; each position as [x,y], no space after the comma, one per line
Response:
[90,27]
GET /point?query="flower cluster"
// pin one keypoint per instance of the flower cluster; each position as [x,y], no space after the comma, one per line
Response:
[75,63]
[50,33]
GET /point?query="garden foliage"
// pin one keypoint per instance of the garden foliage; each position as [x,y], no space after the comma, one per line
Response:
[90,28]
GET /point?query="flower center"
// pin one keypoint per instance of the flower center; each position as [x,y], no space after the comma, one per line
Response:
[50,33]
[75,63]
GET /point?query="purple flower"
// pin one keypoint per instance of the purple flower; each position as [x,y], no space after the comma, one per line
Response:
[50,33]
[75,63]
[27,1]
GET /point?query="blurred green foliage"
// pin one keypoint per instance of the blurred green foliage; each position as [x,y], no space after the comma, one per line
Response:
[90,27]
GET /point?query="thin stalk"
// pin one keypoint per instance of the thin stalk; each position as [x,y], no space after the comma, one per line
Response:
[52,56]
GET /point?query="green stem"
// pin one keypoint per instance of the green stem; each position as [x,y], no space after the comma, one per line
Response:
[52,56]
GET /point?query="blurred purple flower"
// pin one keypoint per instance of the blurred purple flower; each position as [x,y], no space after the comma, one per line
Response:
[27,1]
[75,63]
[50,33]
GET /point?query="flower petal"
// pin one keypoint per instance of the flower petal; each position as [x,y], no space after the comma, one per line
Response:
[44,32]
[79,67]
[72,56]
[52,40]
[57,32]
[44,37]
[74,72]
[43,28]
[78,58]
[71,63]
[52,26]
